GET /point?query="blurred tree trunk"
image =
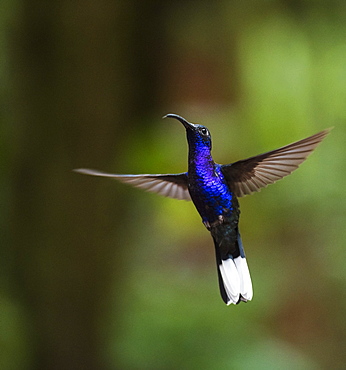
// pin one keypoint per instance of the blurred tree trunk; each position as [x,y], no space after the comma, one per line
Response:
[76,88]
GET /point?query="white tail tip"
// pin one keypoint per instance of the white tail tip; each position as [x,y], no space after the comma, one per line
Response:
[236,280]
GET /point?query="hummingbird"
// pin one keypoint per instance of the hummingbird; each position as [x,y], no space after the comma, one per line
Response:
[214,189]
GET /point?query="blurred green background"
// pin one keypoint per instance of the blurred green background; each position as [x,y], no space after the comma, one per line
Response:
[98,275]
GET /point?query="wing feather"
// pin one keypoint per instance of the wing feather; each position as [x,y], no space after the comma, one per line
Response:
[170,185]
[250,175]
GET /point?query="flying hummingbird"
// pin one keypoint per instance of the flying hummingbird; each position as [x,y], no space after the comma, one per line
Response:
[214,189]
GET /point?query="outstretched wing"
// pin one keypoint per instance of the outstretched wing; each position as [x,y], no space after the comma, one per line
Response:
[252,174]
[173,186]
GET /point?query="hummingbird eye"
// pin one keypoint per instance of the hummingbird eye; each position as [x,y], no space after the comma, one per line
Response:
[204,131]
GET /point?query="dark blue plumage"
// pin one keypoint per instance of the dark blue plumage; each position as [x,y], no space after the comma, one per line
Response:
[214,189]
[219,210]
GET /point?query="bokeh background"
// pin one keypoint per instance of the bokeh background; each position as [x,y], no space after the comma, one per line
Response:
[98,275]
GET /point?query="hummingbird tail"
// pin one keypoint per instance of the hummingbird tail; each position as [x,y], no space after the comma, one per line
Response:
[234,277]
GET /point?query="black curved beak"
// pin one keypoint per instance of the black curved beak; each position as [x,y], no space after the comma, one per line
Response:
[187,125]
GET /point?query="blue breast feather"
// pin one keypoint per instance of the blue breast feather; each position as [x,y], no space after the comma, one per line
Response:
[210,193]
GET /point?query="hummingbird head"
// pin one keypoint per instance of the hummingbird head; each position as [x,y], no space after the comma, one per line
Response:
[197,135]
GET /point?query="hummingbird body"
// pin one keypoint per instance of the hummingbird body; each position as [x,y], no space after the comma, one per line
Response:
[219,209]
[214,188]
[207,186]
[209,192]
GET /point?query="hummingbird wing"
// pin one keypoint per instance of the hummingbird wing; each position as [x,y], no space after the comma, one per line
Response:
[250,175]
[170,185]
